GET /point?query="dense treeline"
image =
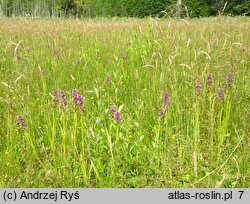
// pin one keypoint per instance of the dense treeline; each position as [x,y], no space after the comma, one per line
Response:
[123,8]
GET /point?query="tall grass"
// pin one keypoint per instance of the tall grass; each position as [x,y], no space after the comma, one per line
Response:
[200,139]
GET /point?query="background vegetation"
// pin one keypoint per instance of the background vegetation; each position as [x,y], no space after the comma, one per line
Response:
[181,88]
[121,8]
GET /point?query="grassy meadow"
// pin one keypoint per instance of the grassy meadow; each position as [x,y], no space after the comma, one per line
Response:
[124,103]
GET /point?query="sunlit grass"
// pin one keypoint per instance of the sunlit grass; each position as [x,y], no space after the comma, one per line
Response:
[198,139]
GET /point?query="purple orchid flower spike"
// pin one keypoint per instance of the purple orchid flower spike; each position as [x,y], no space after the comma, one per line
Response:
[74,97]
[198,88]
[221,94]
[162,112]
[118,117]
[108,80]
[78,62]
[55,95]
[166,101]
[63,101]
[112,111]
[229,79]
[78,100]
[210,80]
[21,122]
[81,103]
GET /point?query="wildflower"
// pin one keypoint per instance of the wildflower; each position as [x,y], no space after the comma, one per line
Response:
[112,111]
[198,88]
[166,101]
[162,112]
[77,100]
[118,117]
[81,103]
[124,54]
[108,80]
[221,94]
[78,62]
[54,95]
[21,122]
[210,80]
[229,79]
[74,97]
[63,101]
[126,61]
[57,56]
[18,58]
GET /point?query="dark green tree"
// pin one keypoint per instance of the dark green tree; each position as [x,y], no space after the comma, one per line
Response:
[122,8]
